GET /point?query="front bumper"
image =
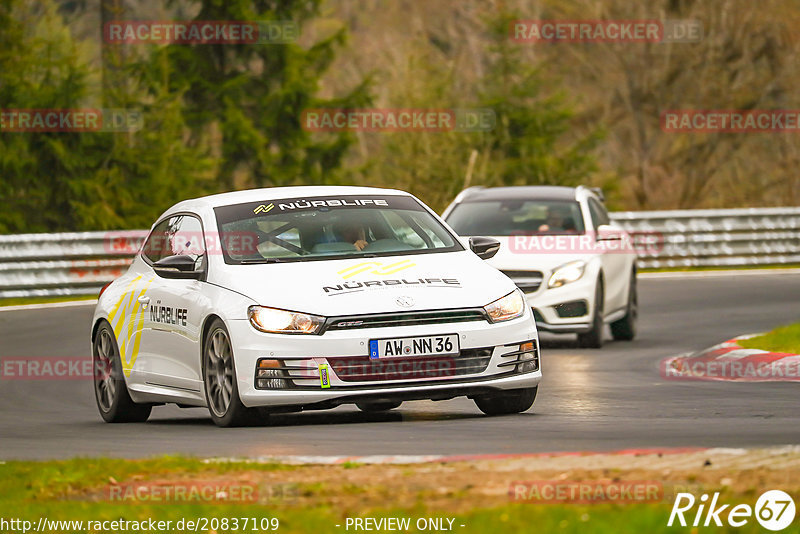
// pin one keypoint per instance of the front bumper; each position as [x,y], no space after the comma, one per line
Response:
[565,309]
[309,354]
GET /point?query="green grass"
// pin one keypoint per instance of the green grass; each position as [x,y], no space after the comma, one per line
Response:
[71,490]
[782,339]
[718,268]
[19,301]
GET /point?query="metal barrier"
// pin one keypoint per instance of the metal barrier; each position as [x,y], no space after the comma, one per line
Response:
[709,238]
[33,265]
[81,263]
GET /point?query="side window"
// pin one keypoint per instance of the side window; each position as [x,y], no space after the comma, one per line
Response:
[175,236]
[598,213]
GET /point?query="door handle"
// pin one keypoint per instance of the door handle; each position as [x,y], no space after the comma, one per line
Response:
[144,301]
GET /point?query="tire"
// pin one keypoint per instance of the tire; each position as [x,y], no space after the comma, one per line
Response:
[372,407]
[219,380]
[113,400]
[625,328]
[593,339]
[507,402]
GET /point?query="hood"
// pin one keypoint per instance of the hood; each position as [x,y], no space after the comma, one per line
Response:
[370,285]
[541,253]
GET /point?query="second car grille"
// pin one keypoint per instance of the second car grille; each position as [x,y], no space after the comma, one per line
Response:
[527,281]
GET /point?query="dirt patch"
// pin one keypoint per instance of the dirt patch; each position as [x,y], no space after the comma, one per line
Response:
[461,486]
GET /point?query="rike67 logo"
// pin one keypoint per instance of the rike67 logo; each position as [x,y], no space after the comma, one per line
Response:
[774,510]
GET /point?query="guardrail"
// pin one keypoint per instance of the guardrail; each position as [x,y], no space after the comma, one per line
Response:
[81,263]
[34,265]
[710,238]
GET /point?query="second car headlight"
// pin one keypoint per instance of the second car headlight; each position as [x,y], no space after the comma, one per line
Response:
[284,322]
[567,273]
[506,308]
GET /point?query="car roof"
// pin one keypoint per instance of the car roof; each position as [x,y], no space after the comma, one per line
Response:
[273,193]
[529,192]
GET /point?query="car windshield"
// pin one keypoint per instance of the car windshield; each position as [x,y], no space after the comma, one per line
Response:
[516,216]
[300,229]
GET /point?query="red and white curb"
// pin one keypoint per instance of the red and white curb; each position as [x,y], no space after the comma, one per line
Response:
[729,361]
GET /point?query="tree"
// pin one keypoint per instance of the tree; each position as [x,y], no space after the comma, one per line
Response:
[41,67]
[251,96]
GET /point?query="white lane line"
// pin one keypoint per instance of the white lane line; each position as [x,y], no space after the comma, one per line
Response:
[45,305]
[710,274]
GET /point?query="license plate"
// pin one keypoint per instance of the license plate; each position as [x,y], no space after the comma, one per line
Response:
[407,347]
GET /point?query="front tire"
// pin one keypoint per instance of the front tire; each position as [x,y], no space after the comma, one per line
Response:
[507,402]
[219,380]
[625,328]
[113,400]
[593,339]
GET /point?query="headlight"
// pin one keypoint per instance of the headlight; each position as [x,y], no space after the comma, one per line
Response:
[284,322]
[506,308]
[569,272]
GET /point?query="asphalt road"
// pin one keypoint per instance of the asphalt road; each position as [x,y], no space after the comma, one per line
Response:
[596,400]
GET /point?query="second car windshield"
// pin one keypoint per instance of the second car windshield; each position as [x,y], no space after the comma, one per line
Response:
[297,229]
[512,217]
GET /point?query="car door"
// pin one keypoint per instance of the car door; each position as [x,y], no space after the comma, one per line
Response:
[612,256]
[173,321]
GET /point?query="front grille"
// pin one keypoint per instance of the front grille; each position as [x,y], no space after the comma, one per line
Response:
[382,320]
[304,374]
[364,369]
[521,360]
[527,281]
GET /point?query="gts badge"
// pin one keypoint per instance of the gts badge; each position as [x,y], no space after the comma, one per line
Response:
[168,315]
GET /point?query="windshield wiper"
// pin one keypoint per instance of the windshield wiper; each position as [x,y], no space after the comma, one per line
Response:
[264,260]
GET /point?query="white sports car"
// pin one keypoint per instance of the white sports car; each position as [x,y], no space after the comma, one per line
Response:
[284,299]
[577,269]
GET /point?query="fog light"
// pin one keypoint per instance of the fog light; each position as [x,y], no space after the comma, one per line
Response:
[529,359]
[269,375]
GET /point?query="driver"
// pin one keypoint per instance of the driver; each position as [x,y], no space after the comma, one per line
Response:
[351,232]
[555,221]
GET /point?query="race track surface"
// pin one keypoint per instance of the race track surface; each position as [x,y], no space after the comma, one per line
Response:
[595,400]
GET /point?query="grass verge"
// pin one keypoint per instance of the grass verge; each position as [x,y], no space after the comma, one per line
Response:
[719,268]
[465,497]
[782,339]
[21,301]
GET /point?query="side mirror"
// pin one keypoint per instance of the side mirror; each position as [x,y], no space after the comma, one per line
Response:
[181,266]
[606,232]
[484,247]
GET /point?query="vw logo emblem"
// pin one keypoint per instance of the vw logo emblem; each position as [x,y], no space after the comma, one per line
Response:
[405,302]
